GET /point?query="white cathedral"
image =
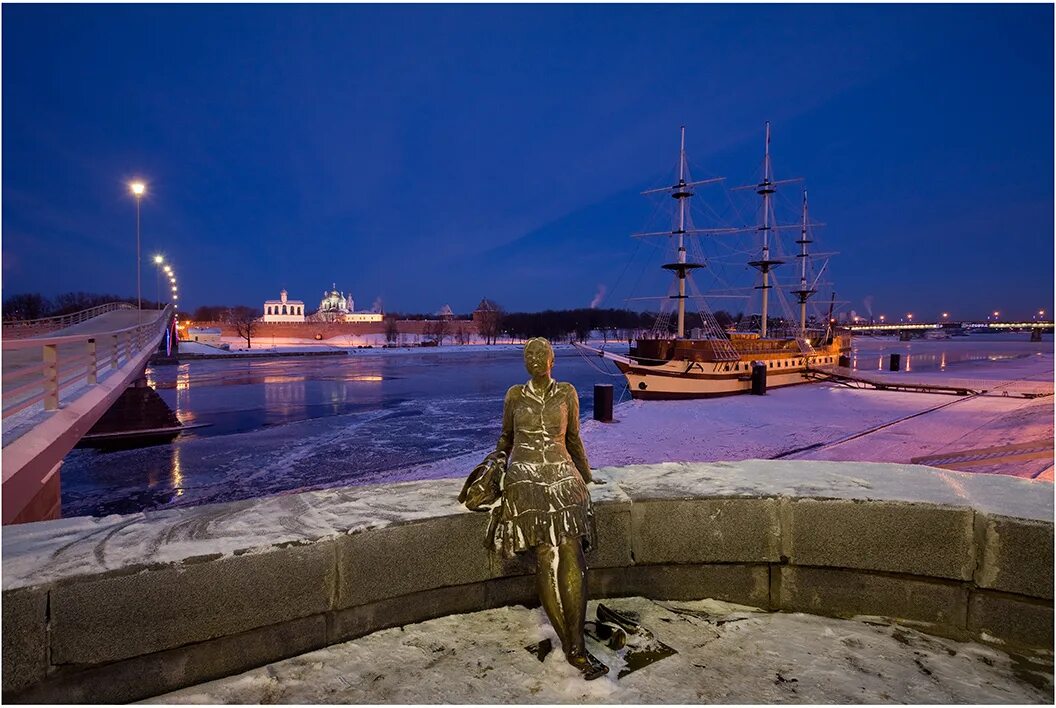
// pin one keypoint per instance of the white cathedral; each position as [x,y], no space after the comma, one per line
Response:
[334,307]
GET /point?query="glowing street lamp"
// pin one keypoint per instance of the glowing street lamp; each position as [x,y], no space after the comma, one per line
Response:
[910,316]
[158,260]
[138,189]
[882,318]
[945,315]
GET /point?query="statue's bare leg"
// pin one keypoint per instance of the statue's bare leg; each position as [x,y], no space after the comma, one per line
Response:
[546,580]
[572,587]
[572,571]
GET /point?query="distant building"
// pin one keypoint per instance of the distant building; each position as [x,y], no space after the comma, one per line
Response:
[205,335]
[283,309]
[486,310]
[446,313]
[337,307]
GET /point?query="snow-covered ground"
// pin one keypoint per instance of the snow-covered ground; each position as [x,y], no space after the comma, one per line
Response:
[238,348]
[726,654]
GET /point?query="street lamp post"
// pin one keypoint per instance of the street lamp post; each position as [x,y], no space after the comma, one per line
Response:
[138,189]
[158,261]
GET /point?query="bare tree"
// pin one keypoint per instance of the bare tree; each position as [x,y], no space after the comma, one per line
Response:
[461,334]
[438,330]
[488,317]
[392,331]
[246,322]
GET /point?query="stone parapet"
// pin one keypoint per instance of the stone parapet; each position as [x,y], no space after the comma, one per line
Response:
[125,607]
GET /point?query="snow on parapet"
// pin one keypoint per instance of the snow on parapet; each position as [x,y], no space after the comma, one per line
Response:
[43,552]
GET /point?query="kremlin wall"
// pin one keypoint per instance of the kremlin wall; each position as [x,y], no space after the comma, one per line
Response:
[328,330]
[336,318]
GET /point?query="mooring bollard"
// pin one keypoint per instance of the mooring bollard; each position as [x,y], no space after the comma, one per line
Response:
[896,362]
[758,379]
[603,402]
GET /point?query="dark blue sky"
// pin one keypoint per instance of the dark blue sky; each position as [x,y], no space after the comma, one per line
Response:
[429,155]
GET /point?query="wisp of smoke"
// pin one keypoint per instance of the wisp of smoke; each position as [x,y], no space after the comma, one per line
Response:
[376,307]
[598,296]
[868,302]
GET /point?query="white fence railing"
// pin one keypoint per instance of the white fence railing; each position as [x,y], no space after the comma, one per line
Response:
[50,324]
[71,360]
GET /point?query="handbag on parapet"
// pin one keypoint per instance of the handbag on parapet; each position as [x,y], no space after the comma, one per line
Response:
[483,486]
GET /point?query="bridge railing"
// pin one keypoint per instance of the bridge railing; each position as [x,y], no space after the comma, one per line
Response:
[70,361]
[28,328]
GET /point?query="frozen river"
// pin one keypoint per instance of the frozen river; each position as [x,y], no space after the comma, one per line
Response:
[283,425]
[287,425]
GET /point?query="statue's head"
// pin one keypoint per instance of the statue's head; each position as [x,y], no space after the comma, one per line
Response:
[538,356]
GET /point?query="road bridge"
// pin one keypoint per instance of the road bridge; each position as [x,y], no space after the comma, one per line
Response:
[923,327]
[56,386]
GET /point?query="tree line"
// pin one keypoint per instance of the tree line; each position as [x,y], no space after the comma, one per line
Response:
[33,306]
[577,325]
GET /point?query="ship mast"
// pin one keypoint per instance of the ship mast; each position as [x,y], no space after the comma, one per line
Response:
[682,193]
[766,190]
[804,291]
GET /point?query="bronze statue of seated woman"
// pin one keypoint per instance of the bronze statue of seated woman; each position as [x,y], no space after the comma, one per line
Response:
[545,505]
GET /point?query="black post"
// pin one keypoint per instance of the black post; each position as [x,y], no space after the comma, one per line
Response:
[603,402]
[845,361]
[896,361]
[758,379]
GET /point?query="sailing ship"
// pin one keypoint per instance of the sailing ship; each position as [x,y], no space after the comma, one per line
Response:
[665,363]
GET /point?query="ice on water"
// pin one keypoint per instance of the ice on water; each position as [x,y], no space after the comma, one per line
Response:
[280,426]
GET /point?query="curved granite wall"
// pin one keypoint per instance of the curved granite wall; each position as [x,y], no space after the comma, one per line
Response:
[124,607]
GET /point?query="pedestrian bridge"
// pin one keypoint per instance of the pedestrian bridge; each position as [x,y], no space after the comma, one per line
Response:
[59,376]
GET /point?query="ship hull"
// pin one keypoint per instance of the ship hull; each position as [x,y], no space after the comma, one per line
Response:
[663,383]
[689,378]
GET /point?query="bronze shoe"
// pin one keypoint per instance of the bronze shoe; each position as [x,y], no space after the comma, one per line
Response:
[588,665]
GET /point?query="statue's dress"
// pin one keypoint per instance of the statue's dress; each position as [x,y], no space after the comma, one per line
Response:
[544,491]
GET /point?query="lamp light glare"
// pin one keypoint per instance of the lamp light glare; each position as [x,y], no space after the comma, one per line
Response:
[138,188]
[159,259]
